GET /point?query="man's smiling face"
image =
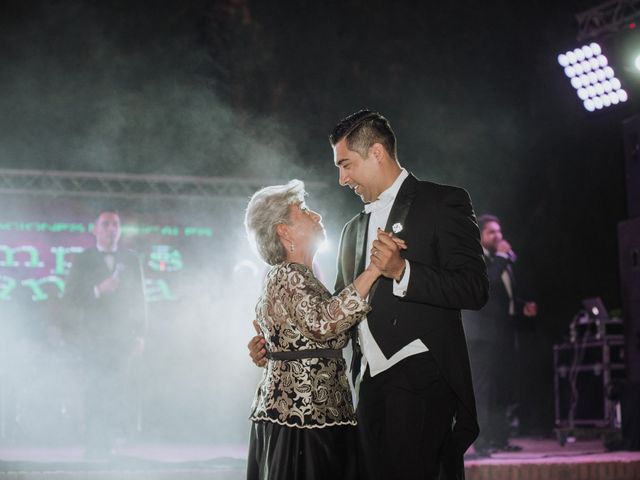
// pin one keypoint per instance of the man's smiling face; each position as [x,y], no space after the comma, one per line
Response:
[357,172]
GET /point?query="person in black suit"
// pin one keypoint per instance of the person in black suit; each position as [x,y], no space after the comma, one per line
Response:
[493,344]
[105,288]
[416,410]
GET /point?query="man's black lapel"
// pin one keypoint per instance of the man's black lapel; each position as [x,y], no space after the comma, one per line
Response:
[401,206]
[361,243]
[398,214]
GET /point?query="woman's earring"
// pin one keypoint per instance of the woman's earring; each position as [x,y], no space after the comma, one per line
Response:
[292,247]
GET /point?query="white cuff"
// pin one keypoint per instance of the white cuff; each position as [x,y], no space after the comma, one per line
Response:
[400,288]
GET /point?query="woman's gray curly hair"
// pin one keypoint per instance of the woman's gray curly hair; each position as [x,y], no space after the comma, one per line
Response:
[267,208]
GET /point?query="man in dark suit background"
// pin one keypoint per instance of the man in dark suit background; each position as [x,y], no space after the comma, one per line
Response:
[493,341]
[105,288]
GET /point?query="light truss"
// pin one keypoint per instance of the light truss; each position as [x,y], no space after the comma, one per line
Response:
[92,184]
[607,18]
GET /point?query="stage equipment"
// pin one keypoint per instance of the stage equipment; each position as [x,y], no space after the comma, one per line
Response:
[591,76]
[128,185]
[608,18]
[584,371]
[594,323]
[609,36]
[631,128]
[589,374]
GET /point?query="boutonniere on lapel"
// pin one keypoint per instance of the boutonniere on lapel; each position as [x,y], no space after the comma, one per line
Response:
[397,228]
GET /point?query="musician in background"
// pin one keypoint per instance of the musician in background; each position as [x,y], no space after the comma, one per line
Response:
[493,343]
[105,288]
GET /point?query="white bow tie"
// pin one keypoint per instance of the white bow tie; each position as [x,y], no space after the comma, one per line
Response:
[377,205]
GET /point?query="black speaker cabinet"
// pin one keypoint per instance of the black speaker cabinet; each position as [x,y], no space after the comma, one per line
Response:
[629,252]
[631,128]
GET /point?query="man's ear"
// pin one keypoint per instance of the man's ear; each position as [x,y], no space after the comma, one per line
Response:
[377,151]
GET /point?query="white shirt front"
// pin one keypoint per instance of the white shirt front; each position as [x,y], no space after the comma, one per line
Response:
[371,353]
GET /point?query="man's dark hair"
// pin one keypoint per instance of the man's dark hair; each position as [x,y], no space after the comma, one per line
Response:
[364,128]
[486,218]
[106,210]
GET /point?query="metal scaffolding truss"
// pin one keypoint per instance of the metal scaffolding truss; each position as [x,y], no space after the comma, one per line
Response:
[49,182]
[607,18]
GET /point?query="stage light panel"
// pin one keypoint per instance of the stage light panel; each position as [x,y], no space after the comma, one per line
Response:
[592,77]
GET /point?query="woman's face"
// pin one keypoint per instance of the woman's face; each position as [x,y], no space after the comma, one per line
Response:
[305,227]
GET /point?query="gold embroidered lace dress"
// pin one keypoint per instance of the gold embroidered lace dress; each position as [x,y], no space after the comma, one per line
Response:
[296,312]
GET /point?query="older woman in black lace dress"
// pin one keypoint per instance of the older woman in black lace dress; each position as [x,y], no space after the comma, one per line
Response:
[303,422]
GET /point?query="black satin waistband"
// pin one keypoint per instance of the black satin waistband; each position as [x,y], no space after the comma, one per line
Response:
[299,354]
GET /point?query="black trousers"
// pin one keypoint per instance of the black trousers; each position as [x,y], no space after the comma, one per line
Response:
[492,367]
[405,415]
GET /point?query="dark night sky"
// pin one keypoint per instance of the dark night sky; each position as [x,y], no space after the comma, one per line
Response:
[252,88]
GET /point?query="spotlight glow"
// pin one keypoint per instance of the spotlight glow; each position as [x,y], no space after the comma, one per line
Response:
[324,246]
[592,77]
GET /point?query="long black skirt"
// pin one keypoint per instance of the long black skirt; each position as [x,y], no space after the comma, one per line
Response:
[277,452]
